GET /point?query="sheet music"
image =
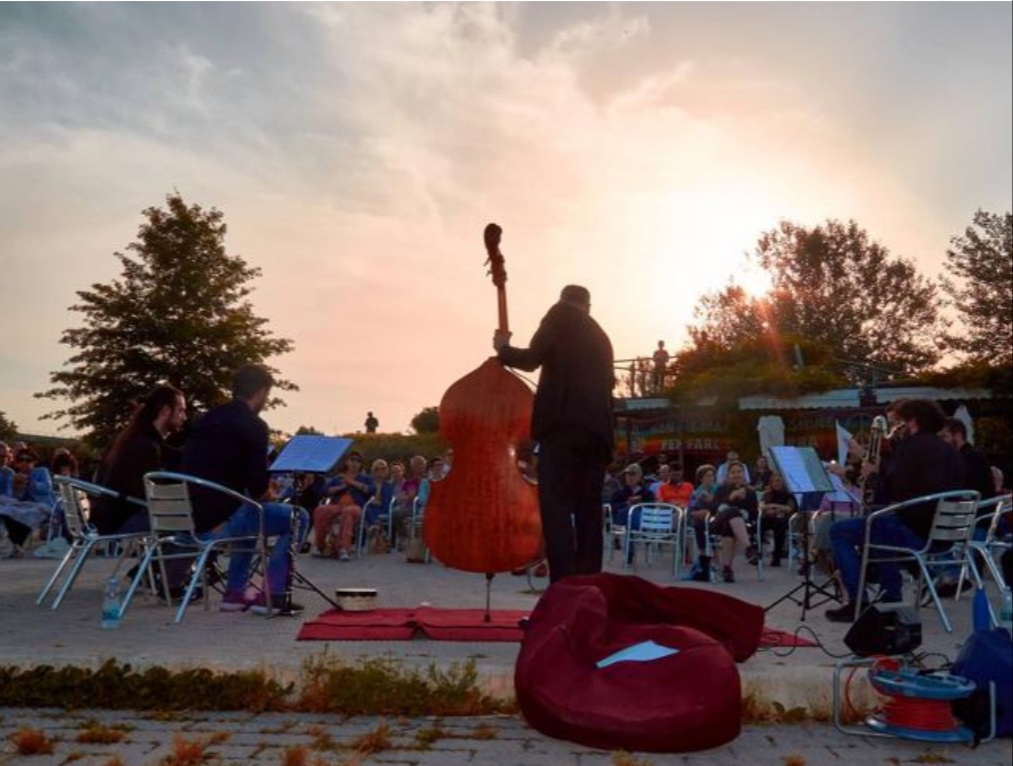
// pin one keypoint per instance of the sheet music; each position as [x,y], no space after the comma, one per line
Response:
[802,469]
[311,454]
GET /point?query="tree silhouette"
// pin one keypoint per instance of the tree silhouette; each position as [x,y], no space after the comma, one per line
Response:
[177,314]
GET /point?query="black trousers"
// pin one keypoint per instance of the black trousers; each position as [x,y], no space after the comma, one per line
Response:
[571,469]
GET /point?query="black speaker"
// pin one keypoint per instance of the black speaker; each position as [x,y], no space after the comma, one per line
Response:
[878,631]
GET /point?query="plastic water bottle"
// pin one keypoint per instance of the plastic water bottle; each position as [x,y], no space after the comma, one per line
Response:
[111,604]
[1006,610]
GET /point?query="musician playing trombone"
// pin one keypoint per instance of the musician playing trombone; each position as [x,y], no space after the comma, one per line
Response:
[922,464]
[229,446]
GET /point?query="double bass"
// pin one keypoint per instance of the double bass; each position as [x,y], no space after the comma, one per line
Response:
[483,516]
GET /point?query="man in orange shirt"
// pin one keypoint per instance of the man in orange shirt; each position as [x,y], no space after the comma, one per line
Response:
[675,491]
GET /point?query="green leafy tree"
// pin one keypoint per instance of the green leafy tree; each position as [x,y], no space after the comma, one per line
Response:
[8,428]
[308,431]
[177,314]
[427,421]
[979,284]
[833,286]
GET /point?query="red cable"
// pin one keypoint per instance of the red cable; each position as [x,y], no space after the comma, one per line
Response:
[911,712]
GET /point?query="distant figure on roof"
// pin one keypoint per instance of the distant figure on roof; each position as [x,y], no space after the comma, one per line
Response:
[371,423]
[661,358]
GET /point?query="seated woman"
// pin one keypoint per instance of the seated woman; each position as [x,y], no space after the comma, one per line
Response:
[763,475]
[344,497]
[734,505]
[699,511]
[777,507]
[376,514]
[30,499]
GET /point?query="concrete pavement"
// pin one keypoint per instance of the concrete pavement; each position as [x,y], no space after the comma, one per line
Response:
[32,635]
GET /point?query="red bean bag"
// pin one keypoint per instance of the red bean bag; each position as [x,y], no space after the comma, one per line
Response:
[690,700]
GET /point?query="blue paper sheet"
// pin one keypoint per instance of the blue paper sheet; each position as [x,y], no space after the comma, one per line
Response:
[645,651]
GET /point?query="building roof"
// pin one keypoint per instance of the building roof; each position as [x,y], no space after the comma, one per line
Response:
[843,398]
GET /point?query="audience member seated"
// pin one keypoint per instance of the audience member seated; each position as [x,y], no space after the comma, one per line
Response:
[344,498]
[763,474]
[383,494]
[676,490]
[137,450]
[777,506]
[699,512]
[29,499]
[731,457]
[922,464]
[229,446]
[632,492]
[734,505]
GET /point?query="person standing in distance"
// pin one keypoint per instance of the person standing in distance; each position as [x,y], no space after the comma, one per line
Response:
[572,423]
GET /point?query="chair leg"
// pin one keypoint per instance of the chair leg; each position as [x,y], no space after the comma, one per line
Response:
[925,577]
[195,578]
[142,571]
[75,570]
[56,574]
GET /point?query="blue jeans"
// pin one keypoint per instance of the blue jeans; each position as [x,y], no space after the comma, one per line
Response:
[847,537]
[246,521]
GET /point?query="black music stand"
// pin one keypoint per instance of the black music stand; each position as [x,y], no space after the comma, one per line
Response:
[308,454]
[805,476]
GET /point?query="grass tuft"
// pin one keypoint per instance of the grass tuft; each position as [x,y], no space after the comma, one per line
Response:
[375,741]
[97,734]
[296,755]
[31,742]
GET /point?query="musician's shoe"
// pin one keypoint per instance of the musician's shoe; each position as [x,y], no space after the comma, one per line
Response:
[343,555]
[775,562]
[278,604]
[234,602]
[846,613]
[727,574]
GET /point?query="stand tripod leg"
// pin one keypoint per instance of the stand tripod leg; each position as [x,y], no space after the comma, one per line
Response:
[488,596]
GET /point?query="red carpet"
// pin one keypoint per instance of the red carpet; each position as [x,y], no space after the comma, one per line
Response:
[402,624]
[441,624]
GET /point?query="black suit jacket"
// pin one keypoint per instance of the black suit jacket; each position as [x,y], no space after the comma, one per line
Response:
[575,389]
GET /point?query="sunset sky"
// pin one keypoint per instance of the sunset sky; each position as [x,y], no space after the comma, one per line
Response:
[358,150]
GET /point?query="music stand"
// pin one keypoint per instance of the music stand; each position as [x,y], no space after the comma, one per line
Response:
[805,477]
[308,454]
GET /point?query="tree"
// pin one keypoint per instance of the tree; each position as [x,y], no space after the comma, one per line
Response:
[979,283]
[832,286]
[308,431]
[177,314]
[8,428]
[427,421]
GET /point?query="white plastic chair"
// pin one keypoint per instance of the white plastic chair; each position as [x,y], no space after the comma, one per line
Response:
[85,536]
[952,526]
[171,515]
[654,524]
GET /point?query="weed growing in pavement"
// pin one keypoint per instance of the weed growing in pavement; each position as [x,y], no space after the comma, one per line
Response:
[625,759]
[930,757]
[192,752]
[375,741]
[97,734]
[793,760]
[31,742]
[484,731]
[114,761]
[73,755]
[296,755]
[381,686]
[427,736]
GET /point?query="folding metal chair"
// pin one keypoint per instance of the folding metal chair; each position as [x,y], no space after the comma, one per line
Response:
[655,524]
[171,515]
[85,536]
[952,526]
[991,546]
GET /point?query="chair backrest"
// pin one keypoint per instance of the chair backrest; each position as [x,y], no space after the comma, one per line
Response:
[990,512]
[73,510]
[169,507]
[656,518]
[954,519]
